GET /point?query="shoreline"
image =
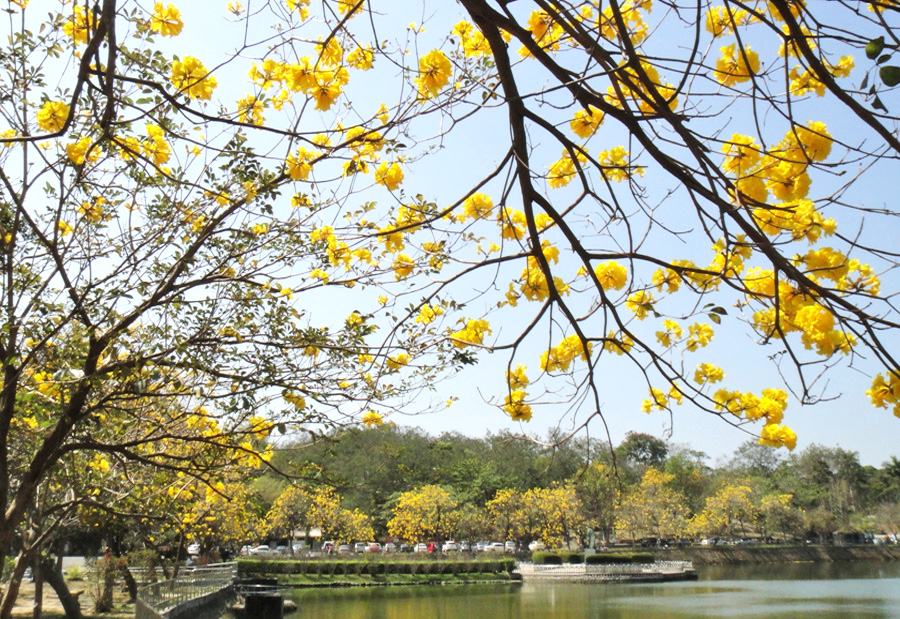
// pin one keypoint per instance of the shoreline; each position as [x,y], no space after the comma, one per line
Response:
[749,554]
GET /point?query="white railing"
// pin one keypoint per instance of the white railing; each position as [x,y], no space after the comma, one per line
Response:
[159,598]
[581,570]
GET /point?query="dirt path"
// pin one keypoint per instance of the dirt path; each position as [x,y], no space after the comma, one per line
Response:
[52,608]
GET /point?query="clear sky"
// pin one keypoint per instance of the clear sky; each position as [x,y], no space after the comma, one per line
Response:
[846,419]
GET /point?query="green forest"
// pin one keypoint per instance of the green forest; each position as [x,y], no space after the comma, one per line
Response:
[402,484]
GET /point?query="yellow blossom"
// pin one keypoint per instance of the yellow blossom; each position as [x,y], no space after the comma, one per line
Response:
[515,406]
[372,419]
[397,361]
[435,71]
[390,175]
[640,302]
[611,275]
[191,77]
[166,20]
[473,333]
[736,66]
[707,373]
[403,266]
[52,116]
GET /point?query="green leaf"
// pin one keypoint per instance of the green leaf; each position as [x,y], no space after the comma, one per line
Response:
[883,59]
[715,318]
[719,310]
[874,47]
[282,428]
[865,82]
[878,105]
[890,75]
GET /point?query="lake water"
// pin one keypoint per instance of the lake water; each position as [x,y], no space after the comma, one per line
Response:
[821,590]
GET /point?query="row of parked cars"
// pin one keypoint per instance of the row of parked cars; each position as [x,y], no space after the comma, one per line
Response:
[265,549]
[425,547]
[330,547]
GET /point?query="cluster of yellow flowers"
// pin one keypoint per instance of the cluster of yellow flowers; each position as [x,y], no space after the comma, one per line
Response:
[166,20]
[516,407]
[885,391]
[661,401]
[560,357]
[52,116]
[647,91]
[372,419]
[191,77]
[435,71]
[429,313]
[795,312]
[533,282]
[473,333]
[736,65]
[471,40]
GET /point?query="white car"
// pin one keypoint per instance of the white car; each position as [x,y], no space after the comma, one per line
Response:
[449,546]
[536,545]
[262,549]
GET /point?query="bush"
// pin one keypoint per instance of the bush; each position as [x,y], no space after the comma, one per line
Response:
[74,573]
[546,557]
[619,557]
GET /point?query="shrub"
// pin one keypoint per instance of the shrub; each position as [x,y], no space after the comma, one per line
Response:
[74,573]
[545,557]
[619,557]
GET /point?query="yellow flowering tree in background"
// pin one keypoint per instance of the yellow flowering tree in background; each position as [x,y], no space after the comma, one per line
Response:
[203,242]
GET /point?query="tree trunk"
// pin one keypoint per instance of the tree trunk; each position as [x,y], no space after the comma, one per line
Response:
[36,573]
[53,575]
[130,583]
[12,589]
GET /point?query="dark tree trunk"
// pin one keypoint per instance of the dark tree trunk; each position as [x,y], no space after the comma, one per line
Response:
[12,589]
[36,572]
[130,582]
[54,577]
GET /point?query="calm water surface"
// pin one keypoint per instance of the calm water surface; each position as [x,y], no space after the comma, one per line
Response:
[807,590]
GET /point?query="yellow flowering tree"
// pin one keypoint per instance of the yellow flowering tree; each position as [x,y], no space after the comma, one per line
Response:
[428,513]
[259,229]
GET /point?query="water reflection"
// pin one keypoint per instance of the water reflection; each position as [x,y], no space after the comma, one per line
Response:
[798,590]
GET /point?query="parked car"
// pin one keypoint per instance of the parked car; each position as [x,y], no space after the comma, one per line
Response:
[495,547]
[298,546]
[536,545]
[420,547]
[262,549]
[193,549]
[282,549]
[245,550]
[465,547]
[509,546]
[405,548]
[373,547]
[360,547]
[390,547]
[344,549]
[449,546]
[481,546]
